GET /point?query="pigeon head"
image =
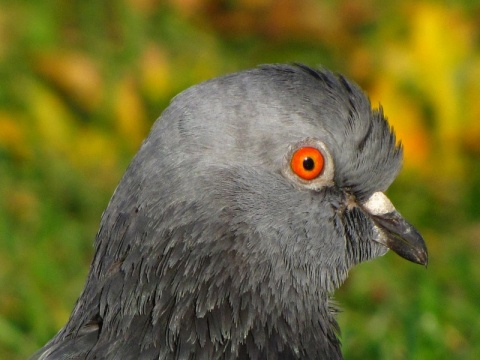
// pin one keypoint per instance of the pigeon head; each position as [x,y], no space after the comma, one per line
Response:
[244,209]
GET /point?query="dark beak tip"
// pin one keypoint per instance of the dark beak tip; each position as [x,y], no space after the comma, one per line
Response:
[402,238]
[418,256]
[412,248]
[417,251]
[422,258]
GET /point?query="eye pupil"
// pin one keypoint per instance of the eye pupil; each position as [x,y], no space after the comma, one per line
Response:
[308,164]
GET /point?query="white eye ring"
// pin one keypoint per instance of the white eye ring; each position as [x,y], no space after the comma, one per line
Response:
[324,179]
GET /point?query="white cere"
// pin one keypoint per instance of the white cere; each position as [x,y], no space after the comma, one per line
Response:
[378,204]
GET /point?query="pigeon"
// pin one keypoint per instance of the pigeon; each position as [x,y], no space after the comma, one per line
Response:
[244,209]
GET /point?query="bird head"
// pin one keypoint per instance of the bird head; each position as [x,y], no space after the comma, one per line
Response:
[230,158]
[246,206]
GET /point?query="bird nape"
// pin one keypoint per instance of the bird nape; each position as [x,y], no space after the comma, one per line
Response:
[242,212]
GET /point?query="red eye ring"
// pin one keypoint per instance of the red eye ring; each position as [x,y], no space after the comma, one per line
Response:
[307,163]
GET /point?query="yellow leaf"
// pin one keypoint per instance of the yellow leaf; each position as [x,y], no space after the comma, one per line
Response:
[53,124]
[129,112]
[97,155]
[74,73]
[405,117]
[12,136]
[155,72]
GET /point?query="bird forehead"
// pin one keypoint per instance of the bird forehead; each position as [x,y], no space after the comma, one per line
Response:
[243,115]
[254,116]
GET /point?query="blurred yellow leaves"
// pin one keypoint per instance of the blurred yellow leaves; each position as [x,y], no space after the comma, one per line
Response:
[12,136]
[58,134]
[97,155]
[51,119]
[74,73]
[424,83]
[440,51]
[155,72]
[130,116]
[58,130]
[406,119]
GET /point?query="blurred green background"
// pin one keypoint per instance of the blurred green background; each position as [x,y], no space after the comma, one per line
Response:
[81,82]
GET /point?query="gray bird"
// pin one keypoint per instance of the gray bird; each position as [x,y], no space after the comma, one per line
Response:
[242,212]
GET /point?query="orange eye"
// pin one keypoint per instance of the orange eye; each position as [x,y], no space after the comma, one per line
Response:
[307,163]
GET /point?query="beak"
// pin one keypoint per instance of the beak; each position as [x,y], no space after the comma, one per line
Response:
[394,231]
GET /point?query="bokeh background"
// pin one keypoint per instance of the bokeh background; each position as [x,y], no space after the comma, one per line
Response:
[81,82]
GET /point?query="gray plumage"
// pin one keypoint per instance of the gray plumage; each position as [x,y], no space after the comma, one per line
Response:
[210,247]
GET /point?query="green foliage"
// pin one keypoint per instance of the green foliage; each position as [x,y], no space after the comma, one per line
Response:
[82,83]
